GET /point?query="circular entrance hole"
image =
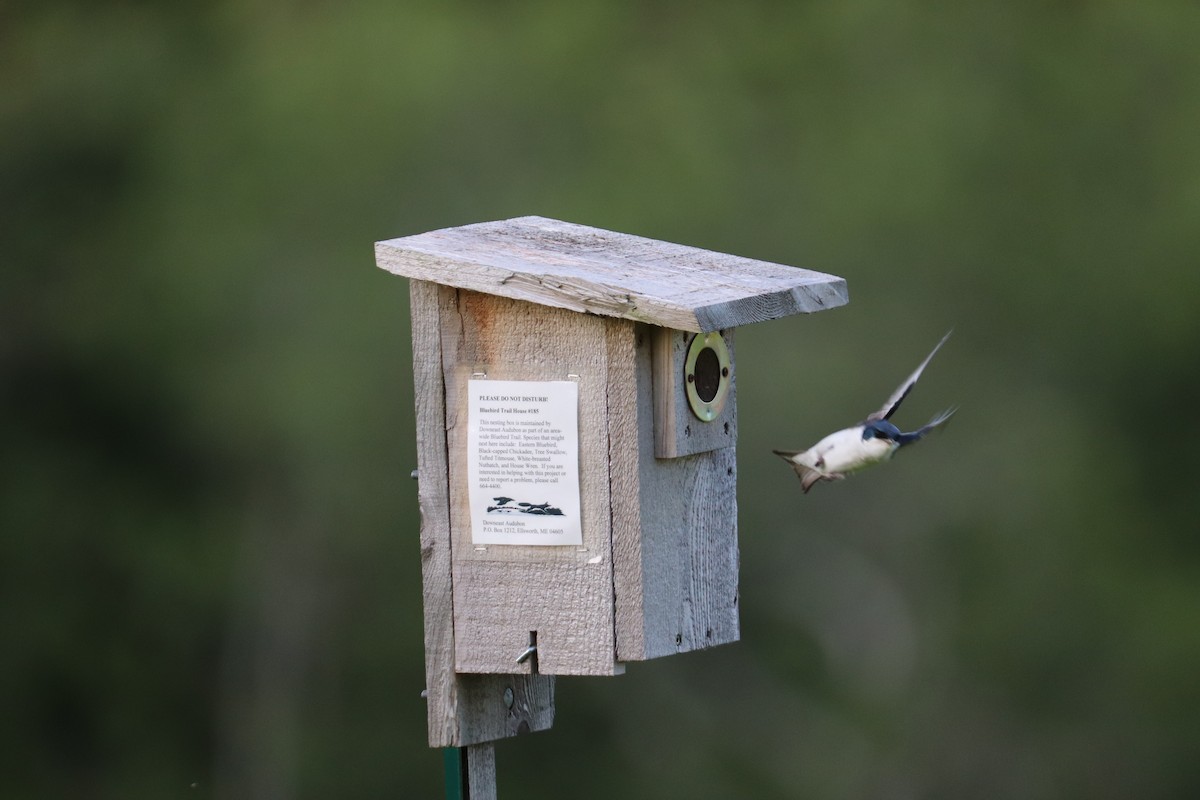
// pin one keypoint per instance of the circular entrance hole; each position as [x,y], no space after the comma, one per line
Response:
[708,374]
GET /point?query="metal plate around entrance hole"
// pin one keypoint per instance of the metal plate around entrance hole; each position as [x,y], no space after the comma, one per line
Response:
[707,374]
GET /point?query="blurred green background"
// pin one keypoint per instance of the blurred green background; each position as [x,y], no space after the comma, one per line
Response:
[209,578]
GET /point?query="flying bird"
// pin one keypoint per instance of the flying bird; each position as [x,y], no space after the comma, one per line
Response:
[872,441]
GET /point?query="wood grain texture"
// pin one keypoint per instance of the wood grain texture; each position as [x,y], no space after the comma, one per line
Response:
[481,772]
[678,431]
[675,551]
[463,709]
[592,270]
[629,369]
[689,553]
[502,593]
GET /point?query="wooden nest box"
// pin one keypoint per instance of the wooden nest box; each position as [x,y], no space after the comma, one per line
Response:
[577,418]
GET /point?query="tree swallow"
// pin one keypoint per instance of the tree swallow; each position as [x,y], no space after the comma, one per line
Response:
[872,441]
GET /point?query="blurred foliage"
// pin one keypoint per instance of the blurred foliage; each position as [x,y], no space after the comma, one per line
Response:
[209,579]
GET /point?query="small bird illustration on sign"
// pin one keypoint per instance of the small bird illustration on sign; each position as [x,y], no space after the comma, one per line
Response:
[872,441]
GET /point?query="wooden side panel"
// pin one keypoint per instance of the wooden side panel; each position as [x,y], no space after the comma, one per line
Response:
[690,552]
[503,594]
[463,709]
[675,547]
[629,348]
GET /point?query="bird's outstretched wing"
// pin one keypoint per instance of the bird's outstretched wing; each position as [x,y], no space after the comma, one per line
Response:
[909,438]
[898,396]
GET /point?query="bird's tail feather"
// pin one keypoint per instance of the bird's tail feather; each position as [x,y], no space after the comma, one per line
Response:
[808,477]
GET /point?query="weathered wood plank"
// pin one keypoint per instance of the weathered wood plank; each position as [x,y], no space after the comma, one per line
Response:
[481,772]
[689,570]
[503,593]
[677,431]
[592,270]
[463,709]
[433,498]
[629,385]
[501,706]
[675,551]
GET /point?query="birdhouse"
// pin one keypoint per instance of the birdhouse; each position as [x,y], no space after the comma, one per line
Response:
[577,422]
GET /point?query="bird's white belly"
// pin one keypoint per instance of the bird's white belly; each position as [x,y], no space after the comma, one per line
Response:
[846,451]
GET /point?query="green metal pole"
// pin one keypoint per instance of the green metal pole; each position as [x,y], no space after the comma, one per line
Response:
[454,763]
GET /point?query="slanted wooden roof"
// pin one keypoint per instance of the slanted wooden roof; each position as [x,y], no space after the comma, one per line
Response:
[614,274]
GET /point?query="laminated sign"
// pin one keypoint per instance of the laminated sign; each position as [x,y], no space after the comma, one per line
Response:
[523,462]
